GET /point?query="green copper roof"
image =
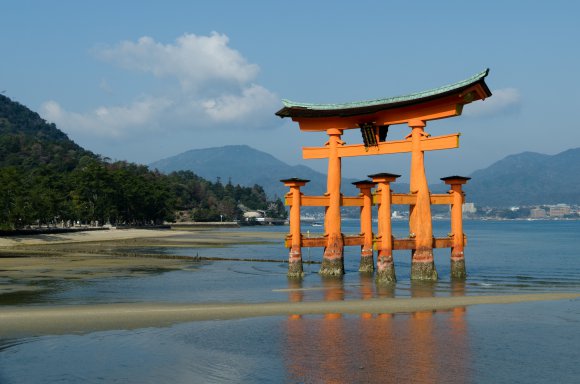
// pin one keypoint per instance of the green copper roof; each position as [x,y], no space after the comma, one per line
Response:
[295,109]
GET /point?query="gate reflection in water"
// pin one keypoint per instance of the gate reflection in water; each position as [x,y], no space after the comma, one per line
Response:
[421,347]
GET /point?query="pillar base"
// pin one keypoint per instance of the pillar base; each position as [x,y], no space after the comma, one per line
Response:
[423,265]
[332,267]
[385,270]
[295,269]
[458,269]
[333,261]
[295,262]
[386,276]
[425,271]
[366,264]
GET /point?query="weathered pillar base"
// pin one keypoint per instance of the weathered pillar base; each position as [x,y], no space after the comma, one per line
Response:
[423,265]
[295,269]
[332,267]
[385,270]
[366,263]
[295,262]
[333,261]
[421,270]
[458,269]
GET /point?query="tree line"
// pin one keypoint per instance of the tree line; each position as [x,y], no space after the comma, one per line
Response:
[98,192]
[47,179]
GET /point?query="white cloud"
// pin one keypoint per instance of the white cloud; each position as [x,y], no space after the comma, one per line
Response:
[108,121]
[194,60]
[502,101]
[231,107]
[216,90]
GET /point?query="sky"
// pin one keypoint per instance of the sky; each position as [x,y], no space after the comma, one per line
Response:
[145,80]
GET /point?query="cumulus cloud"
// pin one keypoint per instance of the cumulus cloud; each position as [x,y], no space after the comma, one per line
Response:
[193,60]
[215,88]
[232,107]
[108,121]
[502,101]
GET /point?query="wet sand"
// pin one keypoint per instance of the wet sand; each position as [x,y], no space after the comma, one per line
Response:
[35,321]
[142,236]
[28,261]
[79,237]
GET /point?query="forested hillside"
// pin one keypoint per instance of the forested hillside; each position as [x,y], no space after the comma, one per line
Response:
[45,178]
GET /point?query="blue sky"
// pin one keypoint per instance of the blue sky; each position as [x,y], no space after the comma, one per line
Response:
[145,80]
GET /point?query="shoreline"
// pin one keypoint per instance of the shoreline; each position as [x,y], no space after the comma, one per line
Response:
[37,321]
[27,263]
[86,236]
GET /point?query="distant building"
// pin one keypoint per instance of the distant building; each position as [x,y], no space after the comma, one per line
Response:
[468,208]
[537,213]
[559,210]
[254,216]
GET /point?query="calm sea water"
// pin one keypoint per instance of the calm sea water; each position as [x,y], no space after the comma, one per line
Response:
[527,342]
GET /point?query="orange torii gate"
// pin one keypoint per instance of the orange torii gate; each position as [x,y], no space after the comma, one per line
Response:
[374,118]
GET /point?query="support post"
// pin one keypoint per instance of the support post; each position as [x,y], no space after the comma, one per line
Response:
[385,264]
[457,256]
[366,226]
[332,261]
[295,256]
[420,225]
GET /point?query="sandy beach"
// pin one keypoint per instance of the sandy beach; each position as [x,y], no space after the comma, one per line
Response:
[82,237]
[21,322]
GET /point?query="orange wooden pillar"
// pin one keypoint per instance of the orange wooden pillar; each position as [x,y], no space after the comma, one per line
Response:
[366,226]
[385,264]
[332,261]
[457,255]
[420,225]
[295,256]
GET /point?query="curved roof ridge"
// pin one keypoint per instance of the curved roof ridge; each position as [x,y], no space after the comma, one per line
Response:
[390,100]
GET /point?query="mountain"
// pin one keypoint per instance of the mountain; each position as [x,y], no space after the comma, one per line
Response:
[523,179]
[27,141]
[528,178]
[247,166]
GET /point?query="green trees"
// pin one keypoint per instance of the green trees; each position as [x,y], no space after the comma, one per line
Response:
[120,193]
[46,179]
[207,201]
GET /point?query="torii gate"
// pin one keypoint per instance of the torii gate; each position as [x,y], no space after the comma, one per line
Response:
[374,118]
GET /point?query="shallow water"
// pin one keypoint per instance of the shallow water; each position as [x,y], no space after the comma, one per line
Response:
[528,342]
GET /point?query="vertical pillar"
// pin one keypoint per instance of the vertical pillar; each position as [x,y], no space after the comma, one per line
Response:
[420,225]
[385,265]
[457,255]
[366,226]
[295,256]
[332,261]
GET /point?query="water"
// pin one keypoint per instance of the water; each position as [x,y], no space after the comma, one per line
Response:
[526,342]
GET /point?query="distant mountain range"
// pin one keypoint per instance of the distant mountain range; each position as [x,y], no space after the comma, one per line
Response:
[247,166]
[524,179]
[528,178]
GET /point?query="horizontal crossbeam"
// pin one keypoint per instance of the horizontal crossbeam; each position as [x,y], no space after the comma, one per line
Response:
[387,147]
[352,240]
[349,201]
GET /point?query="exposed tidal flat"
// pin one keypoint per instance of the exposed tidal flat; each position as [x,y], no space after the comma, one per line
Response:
[216,306]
